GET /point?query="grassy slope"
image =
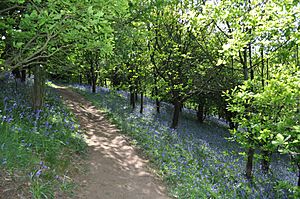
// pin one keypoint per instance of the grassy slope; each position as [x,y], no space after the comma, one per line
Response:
[36,147]
[193,167]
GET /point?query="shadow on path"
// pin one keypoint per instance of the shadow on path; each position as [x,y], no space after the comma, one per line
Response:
[115,169]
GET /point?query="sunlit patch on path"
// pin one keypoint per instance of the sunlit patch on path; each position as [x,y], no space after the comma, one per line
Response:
[115,170]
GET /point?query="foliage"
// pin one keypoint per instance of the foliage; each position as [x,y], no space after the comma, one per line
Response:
[268,115]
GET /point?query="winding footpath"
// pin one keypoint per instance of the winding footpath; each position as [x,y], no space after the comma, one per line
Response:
[116,171]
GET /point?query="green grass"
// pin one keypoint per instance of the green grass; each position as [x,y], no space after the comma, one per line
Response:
[38,148]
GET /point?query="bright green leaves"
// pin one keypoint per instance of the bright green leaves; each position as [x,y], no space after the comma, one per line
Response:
[270,113]
[42,25]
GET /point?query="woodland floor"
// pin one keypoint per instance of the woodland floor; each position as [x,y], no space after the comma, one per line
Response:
[115,168]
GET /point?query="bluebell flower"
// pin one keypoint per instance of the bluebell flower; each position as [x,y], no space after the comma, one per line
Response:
[38,173]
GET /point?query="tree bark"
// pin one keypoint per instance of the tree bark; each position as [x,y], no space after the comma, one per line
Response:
[250,63]
[245,67]
[200,112]
[89,79]
[93,77]
[80,78]
[297,55]
[262,67]
[249,165]
[157,102]
[94,85]
[132,98]
[17,74]
[38,88]
[298,175]
[156,96]
[265,163]
[23,75]
[142,103]
[176,113]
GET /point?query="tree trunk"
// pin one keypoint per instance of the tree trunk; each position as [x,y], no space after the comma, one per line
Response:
[249,165]
[23,75]
[200,112]
[94,85]
[250,63]
[181,107]
[176,113]
[93,76]
[157,102]
[265,163]
[267,69]
[38,88]
[80,78]
[297,55]
[298,175]
[132,99]
[262,68]
[156,97]
[17,74]
[245,68]
[89,78]
[142,102]
[231,124]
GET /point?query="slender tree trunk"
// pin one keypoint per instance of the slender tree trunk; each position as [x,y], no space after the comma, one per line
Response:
[181,107]
[262,67]
[265,163]
[176,113]
[156,96]
[200,112]
[142,103]
[23,75]
[132,98]
[17,74]
[245,68]
[297,55]
[94,85]
[38,88]
[250,62]
[89,78]
[231,124]
[249,165]
[93,77]
[298,174]
[157,102]
[232,66]
[267,69]
[80,78]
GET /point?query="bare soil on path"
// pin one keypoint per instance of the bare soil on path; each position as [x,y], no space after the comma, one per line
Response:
[115,169]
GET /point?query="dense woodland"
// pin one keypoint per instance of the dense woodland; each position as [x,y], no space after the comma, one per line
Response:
[233,59]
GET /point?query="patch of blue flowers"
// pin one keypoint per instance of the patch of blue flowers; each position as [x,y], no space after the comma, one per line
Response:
[197,160]
[38,144]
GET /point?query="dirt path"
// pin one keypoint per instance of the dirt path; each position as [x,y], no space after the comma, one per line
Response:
[115,169]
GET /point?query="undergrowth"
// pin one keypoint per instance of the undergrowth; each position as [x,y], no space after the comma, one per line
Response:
[189,165]
[36,147]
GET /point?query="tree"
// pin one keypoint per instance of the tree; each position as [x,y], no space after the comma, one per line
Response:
[268,116]
[38,30]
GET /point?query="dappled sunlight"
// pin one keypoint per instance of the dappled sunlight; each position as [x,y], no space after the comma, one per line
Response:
[117,171]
